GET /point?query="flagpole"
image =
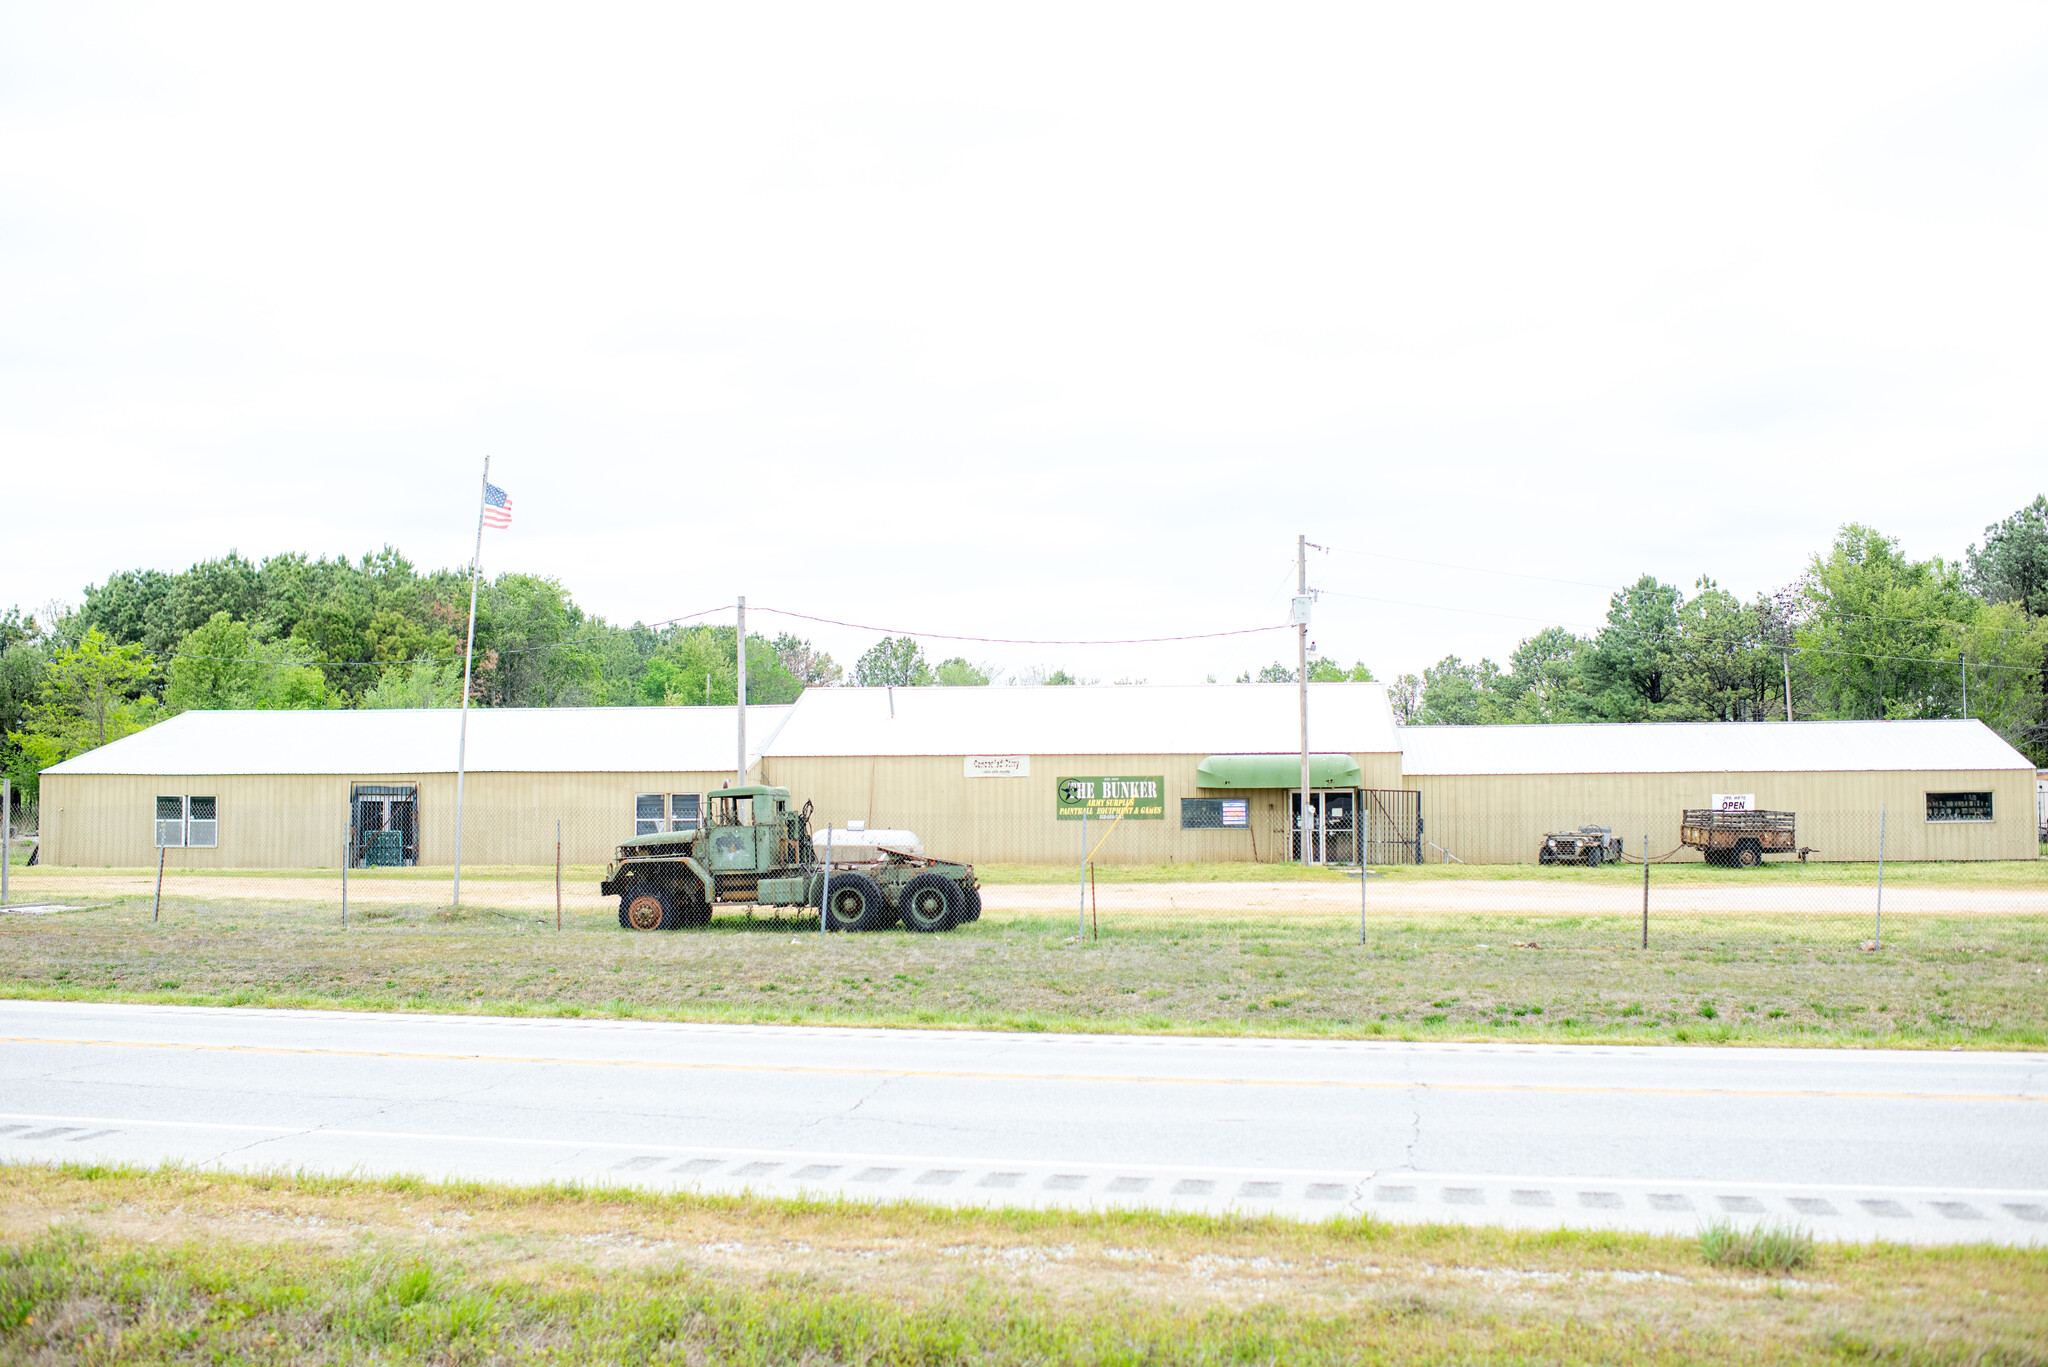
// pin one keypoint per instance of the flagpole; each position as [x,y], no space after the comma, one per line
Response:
[469,651]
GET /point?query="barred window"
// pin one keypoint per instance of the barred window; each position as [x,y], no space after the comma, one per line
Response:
[170,823]
[182,821]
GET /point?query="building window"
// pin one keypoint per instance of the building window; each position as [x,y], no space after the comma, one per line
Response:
[682,812]
[647,814]
[182,821]
[654,813]
[1959,806]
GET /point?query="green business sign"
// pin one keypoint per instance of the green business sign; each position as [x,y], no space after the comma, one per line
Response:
[1140,798]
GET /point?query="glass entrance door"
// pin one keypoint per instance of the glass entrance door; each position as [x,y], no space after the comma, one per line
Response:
[1331,830]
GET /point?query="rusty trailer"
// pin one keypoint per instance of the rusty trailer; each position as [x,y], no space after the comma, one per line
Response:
[1739,839]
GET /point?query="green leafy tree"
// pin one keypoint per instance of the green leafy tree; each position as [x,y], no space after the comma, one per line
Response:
[424,682]
[92,693]
[698,668]
[1457,694]
[1628,670]
[1723,667]
[1404,695]
[2012,567]
[893,660]
[225,665]
[24,664]
[1329,671]
[809,666]
[1881,631]
[1542,682]
[958,673]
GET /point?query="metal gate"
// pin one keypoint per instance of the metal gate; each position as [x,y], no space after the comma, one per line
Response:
[1392,821]
[384,824]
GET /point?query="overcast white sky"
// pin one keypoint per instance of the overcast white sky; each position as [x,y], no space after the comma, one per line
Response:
[1040,321]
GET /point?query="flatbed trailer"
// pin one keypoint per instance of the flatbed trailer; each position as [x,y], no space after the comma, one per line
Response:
[1739,839]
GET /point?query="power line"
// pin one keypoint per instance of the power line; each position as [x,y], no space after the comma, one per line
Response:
[1018,641]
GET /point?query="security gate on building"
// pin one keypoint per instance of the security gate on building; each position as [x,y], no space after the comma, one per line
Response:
[1388,821]
[384,824]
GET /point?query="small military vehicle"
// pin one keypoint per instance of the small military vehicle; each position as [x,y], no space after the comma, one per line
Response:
[1739,839]
[753,851]
[1588,845]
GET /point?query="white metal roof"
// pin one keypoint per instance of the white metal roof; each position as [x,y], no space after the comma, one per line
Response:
[1108,719]
[1705,747]
[402,741]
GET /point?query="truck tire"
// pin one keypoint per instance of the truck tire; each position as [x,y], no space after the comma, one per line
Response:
[647,910]
[856,903]
[970,905]
[930,903]
[690,907]
[1748,854]
[1594,856]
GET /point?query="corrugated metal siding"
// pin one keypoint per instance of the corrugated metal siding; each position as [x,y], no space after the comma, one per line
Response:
[1011,820]
[299,821]
[1494,819]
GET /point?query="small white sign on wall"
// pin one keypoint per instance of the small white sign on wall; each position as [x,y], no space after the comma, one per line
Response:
[1734,802]
[996,766]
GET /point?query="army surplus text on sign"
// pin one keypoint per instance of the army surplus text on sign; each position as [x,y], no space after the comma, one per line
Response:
[1139,798]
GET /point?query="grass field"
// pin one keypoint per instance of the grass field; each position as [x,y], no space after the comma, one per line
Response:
[117,1266]
[1939,981]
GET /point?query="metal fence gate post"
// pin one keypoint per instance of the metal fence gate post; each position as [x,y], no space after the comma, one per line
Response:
[1877,937]
[6,835]
[158,909]
[558,873]
[347,857]
[1083,933]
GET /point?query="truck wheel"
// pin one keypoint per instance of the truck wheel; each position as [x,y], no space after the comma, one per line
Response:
[970,904]
[691,909]
[1748,854]
[930,903]
[856,904]
[644,911]
[1593,857]
[1546,857]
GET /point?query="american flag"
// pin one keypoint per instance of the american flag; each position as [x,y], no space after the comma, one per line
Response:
[497,507]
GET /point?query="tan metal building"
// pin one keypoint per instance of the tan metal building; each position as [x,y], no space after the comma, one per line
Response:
[1942,789]
[977,772]
[1000,775]
[287,789]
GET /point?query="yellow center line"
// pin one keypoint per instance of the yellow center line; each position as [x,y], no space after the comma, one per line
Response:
[819,1070]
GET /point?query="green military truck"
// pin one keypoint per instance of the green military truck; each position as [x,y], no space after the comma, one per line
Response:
[765,855]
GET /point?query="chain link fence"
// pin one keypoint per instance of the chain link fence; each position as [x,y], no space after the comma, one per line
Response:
[1843,878]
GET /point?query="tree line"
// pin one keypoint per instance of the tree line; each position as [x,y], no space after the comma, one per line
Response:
[1865,632]
[293,631]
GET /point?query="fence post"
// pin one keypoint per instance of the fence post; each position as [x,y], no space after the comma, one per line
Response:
[1083,933]
[1364,877]
[6,835]
[158,909]
[348,855]
[1646,889]
[558,873]
[1877,939]
[825,887]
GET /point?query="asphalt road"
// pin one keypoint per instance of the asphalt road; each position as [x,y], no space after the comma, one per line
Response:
[1928,1147]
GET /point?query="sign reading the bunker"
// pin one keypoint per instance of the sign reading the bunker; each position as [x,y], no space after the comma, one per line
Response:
[1112,795]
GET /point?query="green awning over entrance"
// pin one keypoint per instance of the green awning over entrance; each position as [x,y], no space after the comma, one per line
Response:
[1277,771]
